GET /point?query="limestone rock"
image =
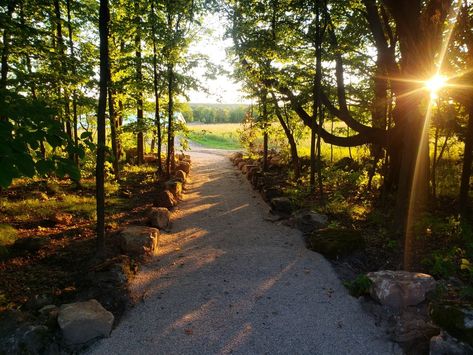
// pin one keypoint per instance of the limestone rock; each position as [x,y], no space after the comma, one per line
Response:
[281,205]
[237,155]
[159,217]
[251,171]
[139,240]
[184,166]
[399,289]
[237,161]
[175,187]
[165,199]
[83,321]
[180,176]
[247,168]
[457,320]
[308,221]
[335,242]
[445,344]
[413,331]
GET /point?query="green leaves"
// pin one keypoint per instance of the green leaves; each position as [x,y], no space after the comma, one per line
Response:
[31,125]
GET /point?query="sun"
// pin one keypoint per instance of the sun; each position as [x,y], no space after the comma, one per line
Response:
[434,84]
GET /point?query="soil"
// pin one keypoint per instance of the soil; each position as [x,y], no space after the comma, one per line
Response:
[58,269]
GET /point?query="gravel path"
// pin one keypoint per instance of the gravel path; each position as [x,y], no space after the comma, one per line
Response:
[227,281]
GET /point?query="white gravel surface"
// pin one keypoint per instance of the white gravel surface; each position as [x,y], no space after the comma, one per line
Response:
[227,281]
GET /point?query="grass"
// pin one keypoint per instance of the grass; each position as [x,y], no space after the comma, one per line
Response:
[218,136]
[35,209]
[8,235]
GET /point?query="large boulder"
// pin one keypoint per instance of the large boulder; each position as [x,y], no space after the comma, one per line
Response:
[457,320]
[335,243]
[159,217]
[309,221]
[165,198]
[139,240]
[184,166]
[445,344]
[399,289]
[83,321]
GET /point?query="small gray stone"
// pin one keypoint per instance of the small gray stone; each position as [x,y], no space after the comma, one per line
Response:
[444,344]
[83,321]
[139,240]
[399,289]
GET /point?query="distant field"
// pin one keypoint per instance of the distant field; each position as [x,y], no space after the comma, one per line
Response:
[225,136]
[218,135]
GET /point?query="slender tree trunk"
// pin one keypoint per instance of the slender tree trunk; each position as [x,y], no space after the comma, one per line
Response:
[434,164]
[104,17]
[139,79]
[113,127]
[466,169]
[156,90]
[170,153]
[74,72]
[6,46]
[264,102]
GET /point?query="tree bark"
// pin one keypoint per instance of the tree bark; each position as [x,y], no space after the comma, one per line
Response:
[170,153]
[139,79]
[156,89]
[466,169]
[104,16]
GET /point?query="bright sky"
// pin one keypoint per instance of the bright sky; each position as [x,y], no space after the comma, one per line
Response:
[224,89]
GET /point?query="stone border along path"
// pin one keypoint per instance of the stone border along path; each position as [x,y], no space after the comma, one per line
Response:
[227,281]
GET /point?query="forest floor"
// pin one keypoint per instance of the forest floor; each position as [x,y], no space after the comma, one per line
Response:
[228,281]
[50,259]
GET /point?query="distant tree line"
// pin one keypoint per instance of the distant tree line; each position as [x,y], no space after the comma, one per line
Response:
[215,113]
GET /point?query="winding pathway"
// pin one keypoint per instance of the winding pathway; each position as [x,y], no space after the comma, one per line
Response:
[227,281]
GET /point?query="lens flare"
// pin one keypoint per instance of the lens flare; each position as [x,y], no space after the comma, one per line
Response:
[435,84]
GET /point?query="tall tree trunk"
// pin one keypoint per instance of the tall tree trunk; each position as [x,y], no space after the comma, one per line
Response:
[74,72]
[104,16]
[466,169]
[139,79]
[6,49]
[264,102]
[113,127]
[170,153]
[156,89]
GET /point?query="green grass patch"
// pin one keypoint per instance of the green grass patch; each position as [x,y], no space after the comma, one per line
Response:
[34,209]
[226,140]
[8,235]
